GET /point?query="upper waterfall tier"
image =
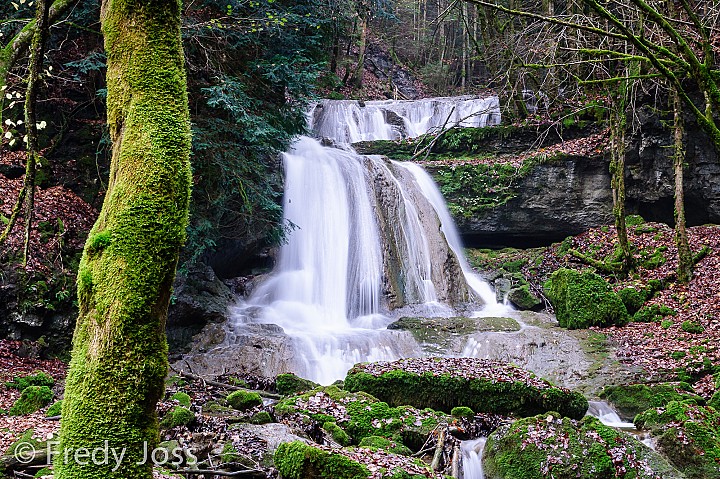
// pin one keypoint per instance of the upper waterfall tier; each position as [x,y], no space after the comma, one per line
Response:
[350,121]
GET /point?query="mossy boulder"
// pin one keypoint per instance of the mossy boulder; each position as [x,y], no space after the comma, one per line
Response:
[360,415]
[37,379]
[688,435]
[523,299]
[379,442]
[288,383]
[653,313]
[297,460]
[482,385]
[584,299]
[32,399]
[26,450]
[437,335]
[182,398]
[548,445]
[177,416]
[632,399]
[243,400]
[55,409]
[262,417]
[337,433]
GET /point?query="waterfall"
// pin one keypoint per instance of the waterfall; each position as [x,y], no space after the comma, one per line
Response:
[607,415]
[472,458]
[372,239]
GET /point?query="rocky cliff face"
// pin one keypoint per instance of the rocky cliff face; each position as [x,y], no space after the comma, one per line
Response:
[568,196]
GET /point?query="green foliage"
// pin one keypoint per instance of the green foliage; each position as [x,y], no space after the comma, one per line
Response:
[584,299]
[337,433]
[688,435]
[37,379]
[297,460]
[634,220]
[31,399]
[243,400]
[653,313]
[633,399]
[177,416]
[692,327]
[182,398]
[55,409]
[288,383]
[444,392]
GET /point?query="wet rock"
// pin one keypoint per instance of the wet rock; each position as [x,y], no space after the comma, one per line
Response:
[199,298]
[523,299]
[502,287]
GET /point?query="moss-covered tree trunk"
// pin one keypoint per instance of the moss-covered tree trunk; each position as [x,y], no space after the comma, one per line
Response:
[119,357]
[685,259]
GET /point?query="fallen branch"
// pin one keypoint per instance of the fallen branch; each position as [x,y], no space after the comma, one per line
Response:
[218,384]
[602,266]
[435,464]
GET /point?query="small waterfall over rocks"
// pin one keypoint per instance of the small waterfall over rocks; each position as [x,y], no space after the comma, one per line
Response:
[373,240]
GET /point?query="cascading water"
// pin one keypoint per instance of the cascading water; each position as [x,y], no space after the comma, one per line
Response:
[472,458]
[372,237]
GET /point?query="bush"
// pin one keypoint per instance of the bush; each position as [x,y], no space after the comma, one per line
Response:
[584,299]
[31,399]
[244,400]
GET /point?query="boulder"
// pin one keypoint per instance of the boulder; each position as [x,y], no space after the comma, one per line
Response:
[548,445]
[480,384]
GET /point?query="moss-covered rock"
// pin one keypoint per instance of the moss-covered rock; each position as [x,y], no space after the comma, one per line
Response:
[262,417]
[182,398]
[337,433]
[632,399]
[37,379]
[550,446]
[243,400]
[584,299]
[482,385]
[288,383]
[31,399]
[632,298]
[360,415]
[688,435]
[462,411]
[437,335]
[177,416]
[54,410]
[26,450]
[378,442]
[524,299]
[297,460]
[653,313]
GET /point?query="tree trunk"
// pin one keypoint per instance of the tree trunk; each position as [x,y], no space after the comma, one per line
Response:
[685,259]
[357,77]
[119,357]
[617,172]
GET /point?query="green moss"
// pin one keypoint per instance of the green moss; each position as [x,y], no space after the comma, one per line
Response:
[524,299]
[634,220]
[444,392]
[653,313]
[633,399]
[177,416]
[243,400]
[337,433]
[54,410]
[31,399]
[633,299]
[550,446]
[262,417]
[182,398]
[297,460]
[229,453]
[584,299]
[378,442]
[692,327]
[45,471]
[287,384]
[678,354]
[688,435]
[462,411]
[37,379]
[99,241]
